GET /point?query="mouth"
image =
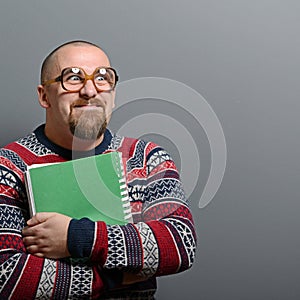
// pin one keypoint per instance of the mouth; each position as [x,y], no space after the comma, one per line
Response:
[87,106]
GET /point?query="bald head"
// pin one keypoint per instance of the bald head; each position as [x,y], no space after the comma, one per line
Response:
[50,60]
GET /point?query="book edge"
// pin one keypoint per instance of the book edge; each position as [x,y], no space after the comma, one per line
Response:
[30,196]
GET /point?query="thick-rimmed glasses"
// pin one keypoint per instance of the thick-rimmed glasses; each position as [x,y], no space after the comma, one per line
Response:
[73,79]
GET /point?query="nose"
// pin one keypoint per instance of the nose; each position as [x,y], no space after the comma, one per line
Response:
[88,90]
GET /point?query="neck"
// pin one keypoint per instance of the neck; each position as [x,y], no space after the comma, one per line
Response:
[85,145]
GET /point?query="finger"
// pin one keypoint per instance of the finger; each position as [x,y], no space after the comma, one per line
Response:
[31,240]
[28,241]
[33,221]
[32,231]
[35,242]
[39,218]
[25,231]
[39,254]
[33,249]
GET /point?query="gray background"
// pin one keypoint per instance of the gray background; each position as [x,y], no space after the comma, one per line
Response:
[243,58]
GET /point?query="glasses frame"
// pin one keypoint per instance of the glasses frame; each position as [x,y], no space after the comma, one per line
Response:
[86,78]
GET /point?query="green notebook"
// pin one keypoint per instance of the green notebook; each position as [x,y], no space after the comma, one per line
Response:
[92,187]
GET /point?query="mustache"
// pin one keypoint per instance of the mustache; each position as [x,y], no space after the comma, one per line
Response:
[82,102]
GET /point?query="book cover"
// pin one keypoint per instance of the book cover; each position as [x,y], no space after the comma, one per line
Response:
[92,187]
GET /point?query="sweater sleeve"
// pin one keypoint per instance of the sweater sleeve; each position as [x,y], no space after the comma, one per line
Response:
[162,239]
[24,276]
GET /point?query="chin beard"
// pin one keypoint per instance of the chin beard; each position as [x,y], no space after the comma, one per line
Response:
[88,126]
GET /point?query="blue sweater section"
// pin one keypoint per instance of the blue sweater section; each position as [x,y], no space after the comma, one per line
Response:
[81,237]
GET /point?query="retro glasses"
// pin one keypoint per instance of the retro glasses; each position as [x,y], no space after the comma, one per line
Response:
[73,79]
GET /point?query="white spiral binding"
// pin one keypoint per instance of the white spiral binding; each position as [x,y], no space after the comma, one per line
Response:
[124,191]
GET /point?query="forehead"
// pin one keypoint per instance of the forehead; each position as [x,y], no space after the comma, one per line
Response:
[84,56]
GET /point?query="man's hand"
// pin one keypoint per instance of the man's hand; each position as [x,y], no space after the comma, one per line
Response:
[46,235]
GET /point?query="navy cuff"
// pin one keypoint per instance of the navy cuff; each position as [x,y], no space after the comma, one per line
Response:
[81,237]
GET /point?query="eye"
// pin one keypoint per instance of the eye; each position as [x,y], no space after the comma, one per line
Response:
[73,75]
[74,78]
[99,78]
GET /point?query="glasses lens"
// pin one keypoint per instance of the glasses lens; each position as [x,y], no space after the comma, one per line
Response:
[104,79]
[73,79]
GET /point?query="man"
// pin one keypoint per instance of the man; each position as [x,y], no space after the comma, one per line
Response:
[52,256]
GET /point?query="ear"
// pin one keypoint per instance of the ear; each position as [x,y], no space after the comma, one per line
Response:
[42,96]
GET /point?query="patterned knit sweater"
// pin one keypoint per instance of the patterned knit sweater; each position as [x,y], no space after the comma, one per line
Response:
[160,241]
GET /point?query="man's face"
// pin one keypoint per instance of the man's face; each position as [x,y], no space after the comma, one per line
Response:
[87,112]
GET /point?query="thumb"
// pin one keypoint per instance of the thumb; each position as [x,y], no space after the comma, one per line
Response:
[39,218]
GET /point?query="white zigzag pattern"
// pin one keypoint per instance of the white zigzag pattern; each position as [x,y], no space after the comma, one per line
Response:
[156,159]
[11,218]
[116,142]
[32,143]
[163,188]
[13,157]
[137,160]
[136,192]
[151,256]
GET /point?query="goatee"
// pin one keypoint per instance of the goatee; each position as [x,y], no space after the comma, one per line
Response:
[88,124]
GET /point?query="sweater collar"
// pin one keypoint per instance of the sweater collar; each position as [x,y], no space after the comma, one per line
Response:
[69,154]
